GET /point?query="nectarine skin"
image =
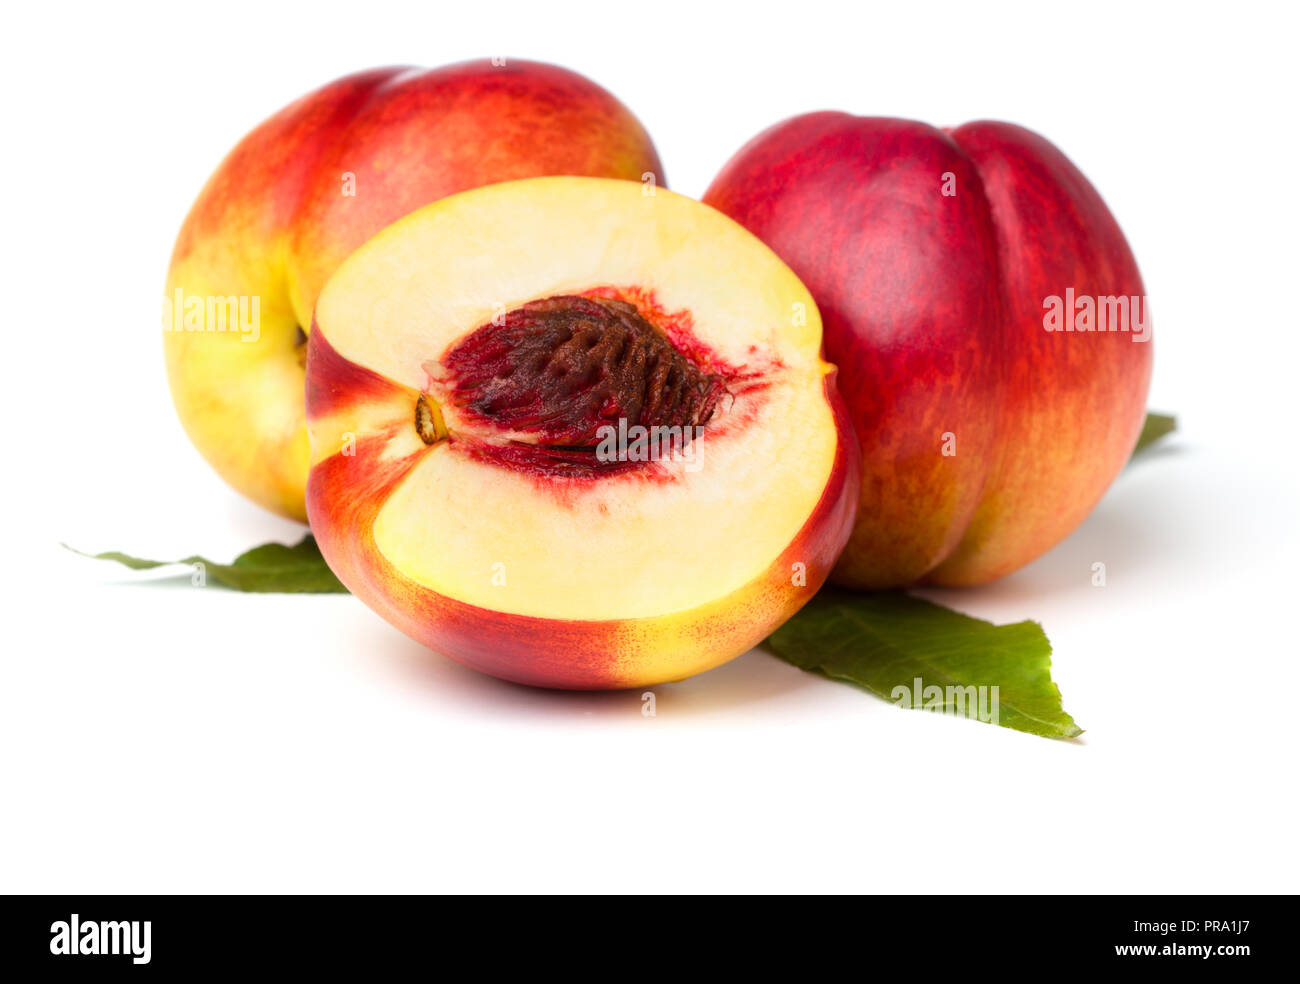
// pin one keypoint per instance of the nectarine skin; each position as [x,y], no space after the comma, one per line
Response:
[317,179]
[985,439]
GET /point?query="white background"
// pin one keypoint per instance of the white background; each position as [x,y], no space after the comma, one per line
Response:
[166,738]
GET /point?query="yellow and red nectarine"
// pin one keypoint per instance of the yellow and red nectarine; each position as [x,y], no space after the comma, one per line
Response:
[312,183]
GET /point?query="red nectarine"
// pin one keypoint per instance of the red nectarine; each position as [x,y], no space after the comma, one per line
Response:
[939,260]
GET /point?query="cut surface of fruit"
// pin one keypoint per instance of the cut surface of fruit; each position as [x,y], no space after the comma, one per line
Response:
[575,434]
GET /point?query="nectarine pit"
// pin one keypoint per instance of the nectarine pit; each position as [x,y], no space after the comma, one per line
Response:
[558,370]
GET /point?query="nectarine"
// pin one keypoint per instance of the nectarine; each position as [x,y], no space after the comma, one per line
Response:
[990,419]
[575,433]
[312,183]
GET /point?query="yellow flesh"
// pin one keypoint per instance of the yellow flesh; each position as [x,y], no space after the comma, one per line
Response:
[621,546]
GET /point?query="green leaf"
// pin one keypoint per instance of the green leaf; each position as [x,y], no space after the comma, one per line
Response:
[1157,426]
[896,645]
[271,567]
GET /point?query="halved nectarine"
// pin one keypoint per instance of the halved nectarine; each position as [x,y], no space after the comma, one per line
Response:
[575,432]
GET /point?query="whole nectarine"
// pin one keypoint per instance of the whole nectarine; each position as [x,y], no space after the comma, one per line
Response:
[312,183]
[990,418]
